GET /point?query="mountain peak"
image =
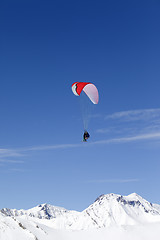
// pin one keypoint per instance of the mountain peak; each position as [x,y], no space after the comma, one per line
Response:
[118,197]
[134,196]
[108,196]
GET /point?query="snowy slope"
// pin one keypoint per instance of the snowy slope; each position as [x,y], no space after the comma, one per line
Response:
[111,213]
[11,229]
[157,206]
[28,229]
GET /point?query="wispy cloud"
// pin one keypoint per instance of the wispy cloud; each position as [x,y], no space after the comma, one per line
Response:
[21,151]
[17,170]
[106,130]
[139,137]
[10,157]
[10,161]
[150,136]
[135,115]
[6,152]
[50,147]
[147,130]
[114,180]
[116,130]
[132,125]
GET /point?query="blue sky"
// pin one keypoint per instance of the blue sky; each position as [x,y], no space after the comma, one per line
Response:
[45,46]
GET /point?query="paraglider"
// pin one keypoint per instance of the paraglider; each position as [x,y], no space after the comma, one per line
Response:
[85,136]
[89,96]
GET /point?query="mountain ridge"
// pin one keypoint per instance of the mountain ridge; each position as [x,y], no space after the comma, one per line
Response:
[107,210]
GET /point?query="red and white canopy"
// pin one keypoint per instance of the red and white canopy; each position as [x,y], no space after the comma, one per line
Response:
[89,89]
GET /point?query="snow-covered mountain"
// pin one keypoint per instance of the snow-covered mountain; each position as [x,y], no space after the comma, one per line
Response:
[42,211]
[107,211]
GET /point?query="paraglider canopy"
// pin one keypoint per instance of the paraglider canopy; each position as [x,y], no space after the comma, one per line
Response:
[88,97]
[89,89]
